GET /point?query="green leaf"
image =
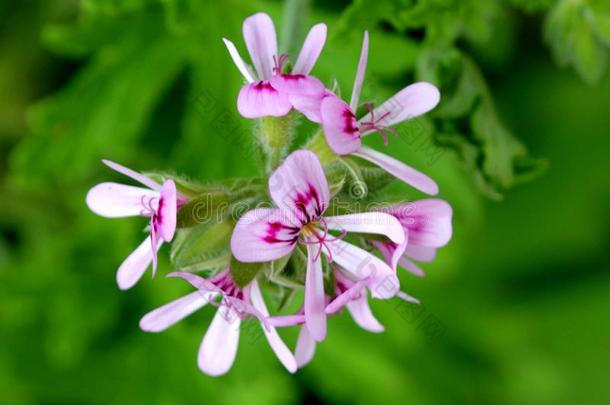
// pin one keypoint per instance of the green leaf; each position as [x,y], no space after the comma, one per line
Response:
[202,247]
[569,28]
[244,273]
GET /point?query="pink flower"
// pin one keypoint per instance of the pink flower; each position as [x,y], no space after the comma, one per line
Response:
[157,202]
[267,92]
[219,346]
[300,189]
[427,226]
[349,293]
[344,131]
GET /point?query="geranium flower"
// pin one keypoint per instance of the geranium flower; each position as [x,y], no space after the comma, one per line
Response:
[300,190]
[219,346]
[267,92]
[344,132]
[158,202]
[427,226]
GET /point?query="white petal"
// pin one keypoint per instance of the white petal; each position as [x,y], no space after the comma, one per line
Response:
[410,102]
[114,200]
[219,346]
[361,312]
[259,34]
[315,316]
[239,62]
[135,265]
[139,177]
[369,222]
[312,47]
[275,341]
[306,347]
[173,312]
[357,89]
[399,170]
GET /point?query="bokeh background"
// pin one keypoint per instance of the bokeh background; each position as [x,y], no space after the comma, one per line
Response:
[515,309]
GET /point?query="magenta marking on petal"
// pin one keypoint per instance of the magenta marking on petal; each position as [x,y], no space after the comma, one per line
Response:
[350,125]
[274,228]
[264,86]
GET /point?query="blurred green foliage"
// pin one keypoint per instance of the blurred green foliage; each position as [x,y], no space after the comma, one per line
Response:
[514,309]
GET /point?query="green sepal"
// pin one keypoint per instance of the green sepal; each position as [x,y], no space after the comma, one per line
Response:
[244,273]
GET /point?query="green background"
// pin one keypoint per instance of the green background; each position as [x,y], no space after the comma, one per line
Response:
[515,309]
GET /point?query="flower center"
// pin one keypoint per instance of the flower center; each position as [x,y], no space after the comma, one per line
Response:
[314,235]
[373,124]
[279,63]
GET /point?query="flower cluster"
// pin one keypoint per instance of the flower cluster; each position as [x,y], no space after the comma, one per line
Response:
[291,232]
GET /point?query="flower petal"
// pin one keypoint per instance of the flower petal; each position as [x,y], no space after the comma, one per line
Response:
[339,125]
[262,235]
[169,314]
[219,346]
[391,252]
[342,299]
[297,84]
[260,99]
[196,281]
[312,47]
[299,187]
[315,317]
[114,200]
[399,170]
[361,312]
[239,62]
[276,343]
[168,208]
[369,222]
[261,40]
[140,178]
[410,102]
[420,253]
[135,265]
[428,221]
[309,105]
[286,320]
[411,267]
[357,89]
[306,347]
[360,264]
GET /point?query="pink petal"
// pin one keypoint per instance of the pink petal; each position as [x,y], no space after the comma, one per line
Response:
[306,347]
[135,265]
[309,105]
[360,264]
[299,187]
[341,300]
[262,235]
[411,267]
[148,182]
[391,252]
[339,126]
[420,253]
[168,210]
[428,221]
[357,89]
[315,317]
[369,222]
[239,62]
[410,102]
[173,312]
[259,34]
[312,47]
[398,169]
[196,281]
[361,312]
[286,320]
[276,343]
[297,84]
[113,200]
[219,346]
[260,99]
